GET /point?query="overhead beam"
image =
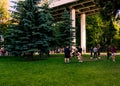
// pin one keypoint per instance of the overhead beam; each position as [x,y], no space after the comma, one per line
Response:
[88,7]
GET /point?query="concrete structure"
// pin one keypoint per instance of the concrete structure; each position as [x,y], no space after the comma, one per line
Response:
[78,9]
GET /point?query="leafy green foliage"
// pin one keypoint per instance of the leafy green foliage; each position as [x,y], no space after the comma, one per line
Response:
[109,8]
[94,30]
[64,29]
[4,17]
[99,31]
[108,12]
[30,30]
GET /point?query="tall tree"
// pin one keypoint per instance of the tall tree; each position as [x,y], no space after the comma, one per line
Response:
[108,12]
[109,8]
[45,29]
[64,28]
[94,30]
[4,17]
[31,29]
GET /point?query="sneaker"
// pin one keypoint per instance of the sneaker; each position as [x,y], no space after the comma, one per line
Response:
[80,61]
[95,58]
[99,57]
[113,60]
[91,57]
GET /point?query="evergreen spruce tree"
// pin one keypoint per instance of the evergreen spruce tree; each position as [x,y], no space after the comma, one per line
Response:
[64,29]
[32,30]
[45,30]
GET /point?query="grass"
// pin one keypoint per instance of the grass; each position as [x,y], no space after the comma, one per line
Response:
[53,71]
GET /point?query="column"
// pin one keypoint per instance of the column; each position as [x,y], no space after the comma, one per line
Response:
[83,32]
[73,30]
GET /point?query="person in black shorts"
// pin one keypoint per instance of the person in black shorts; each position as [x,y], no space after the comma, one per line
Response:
[80,54]
[108,52]
[98,51]
[67,54]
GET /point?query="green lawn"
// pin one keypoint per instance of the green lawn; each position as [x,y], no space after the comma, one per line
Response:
[53,71]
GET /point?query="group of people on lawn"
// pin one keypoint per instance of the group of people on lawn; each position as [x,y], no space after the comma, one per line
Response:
[111,50]
[94,53]
[71,52]
[96,50]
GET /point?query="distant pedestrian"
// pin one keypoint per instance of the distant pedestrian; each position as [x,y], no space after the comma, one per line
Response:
[73,51]
[98,51]
[108,52]
[2,51]
[91,52]
[113,51]
[95,52]
[67,54]
[80,54]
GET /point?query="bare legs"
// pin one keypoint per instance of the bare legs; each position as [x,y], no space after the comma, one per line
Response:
[113,57]
[66,60]
[80,57]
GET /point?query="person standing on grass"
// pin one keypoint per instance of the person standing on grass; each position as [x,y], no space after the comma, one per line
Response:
[108,52]
[3,51]
[113,51]
[95,52]
[67,54]
[80,54]
[73,51]
[98,51]
[91,52]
